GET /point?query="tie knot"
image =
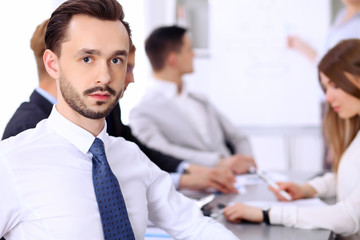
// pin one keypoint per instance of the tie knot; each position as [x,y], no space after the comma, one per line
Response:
[97,148]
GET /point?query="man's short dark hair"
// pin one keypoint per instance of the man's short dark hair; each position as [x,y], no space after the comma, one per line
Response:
[61,17]
[161,42]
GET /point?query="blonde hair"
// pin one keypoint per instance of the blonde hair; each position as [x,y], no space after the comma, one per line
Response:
[338,64]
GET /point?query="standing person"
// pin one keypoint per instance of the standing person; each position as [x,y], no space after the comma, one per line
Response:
[339,73]
[44,97]
[175,121]
[67,178]
[345,26]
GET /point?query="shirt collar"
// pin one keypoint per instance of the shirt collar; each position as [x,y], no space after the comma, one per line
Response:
[341,15]
[167,88]
[46,95]
[76,135]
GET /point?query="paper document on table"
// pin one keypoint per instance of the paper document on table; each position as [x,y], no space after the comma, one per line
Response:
[154,233]
[252,179]
[248,179]
[302,202]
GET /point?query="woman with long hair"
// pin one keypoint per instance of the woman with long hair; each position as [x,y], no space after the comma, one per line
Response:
[339,74]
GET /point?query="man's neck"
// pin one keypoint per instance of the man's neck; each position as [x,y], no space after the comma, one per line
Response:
[94,126]
[170,76]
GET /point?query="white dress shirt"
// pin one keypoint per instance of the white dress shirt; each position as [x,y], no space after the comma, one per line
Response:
[342,217]
[175,176]
[47,190]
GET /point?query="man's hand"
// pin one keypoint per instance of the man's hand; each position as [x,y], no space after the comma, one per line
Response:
[203,178]
[239,164]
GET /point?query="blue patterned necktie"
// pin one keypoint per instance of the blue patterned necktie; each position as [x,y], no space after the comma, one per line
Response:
[114,217]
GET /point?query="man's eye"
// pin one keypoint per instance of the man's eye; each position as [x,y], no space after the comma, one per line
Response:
[87,60]
[116,60]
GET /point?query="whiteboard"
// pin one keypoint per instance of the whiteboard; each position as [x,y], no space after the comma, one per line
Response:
[251,75]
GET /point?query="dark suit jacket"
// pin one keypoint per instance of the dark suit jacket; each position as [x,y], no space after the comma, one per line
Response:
[28,115]
[39,108]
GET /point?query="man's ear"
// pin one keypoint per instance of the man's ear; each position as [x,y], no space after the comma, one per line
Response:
[172,59]
[51,63]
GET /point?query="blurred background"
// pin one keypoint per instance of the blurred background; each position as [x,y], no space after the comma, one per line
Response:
[242,64]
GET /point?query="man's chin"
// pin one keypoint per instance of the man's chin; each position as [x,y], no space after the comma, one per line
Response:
[96,112]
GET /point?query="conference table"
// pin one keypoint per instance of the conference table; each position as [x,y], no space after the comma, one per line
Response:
[256,231]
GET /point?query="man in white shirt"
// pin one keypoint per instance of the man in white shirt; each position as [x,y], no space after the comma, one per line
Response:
[180,123]
[39,106]
[47,175]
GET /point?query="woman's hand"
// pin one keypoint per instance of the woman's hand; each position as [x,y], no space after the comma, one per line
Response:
[236,213]
[296,191]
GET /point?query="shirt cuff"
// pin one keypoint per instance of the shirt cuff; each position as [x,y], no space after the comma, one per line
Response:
[181,167]
[175,177]
[283,215]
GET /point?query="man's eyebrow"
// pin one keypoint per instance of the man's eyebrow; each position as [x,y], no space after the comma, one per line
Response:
[87,51]
[121,52]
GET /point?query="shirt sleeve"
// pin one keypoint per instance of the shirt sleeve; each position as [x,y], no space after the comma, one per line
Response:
[175,178]
[177,214]
[342,218]
[325,186]
[10,211]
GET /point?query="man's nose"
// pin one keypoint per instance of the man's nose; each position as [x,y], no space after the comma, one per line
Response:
[104,75]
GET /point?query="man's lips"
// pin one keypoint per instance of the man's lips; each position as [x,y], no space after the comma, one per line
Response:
[99,90]
[100,96]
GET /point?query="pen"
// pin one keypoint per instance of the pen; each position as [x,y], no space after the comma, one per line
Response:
[274,185]
[252,168]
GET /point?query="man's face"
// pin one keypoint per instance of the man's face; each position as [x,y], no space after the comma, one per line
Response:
[92,66]
[186,56]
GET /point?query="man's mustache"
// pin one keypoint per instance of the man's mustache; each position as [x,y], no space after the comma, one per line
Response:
[101,89]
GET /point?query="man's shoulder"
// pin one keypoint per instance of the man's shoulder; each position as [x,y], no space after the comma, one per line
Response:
[126,149]
[25,139]
[199,96]
[151,101]
[26,108]
[121,143]
[25,117]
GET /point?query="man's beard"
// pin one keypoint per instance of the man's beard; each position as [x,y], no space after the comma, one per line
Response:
[73,99]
